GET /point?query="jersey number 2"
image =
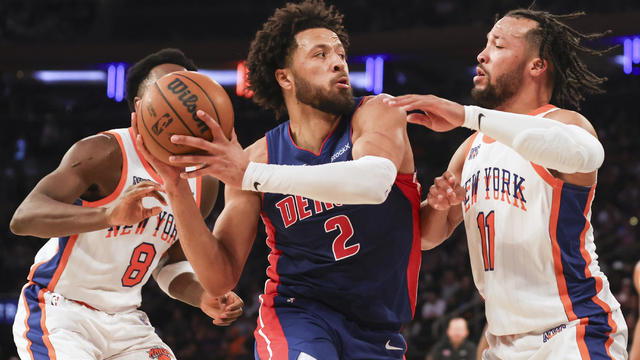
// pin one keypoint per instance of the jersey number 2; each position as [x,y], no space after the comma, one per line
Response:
[141,259]
[340,248]
[486,225]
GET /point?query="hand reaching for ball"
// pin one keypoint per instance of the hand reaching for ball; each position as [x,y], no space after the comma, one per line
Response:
[224,159]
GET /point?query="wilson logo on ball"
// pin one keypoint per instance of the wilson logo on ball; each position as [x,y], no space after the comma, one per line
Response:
[188,100]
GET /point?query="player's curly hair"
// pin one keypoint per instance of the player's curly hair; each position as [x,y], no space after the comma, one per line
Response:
[140,70]
[561,45]
[274,43]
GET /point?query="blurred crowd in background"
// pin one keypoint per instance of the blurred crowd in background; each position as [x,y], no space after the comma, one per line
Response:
[40,122]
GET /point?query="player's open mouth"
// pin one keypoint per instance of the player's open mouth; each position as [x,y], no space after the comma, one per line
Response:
[343,82]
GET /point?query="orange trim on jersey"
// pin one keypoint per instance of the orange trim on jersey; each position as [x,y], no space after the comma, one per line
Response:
[487,139]
[123,178]
[43,325]
[557,255]
[587,258]
[63,262]
[547,177]
[26,320]
[472,138]
[144,161]
[198,191]
[542,109]
[582,345]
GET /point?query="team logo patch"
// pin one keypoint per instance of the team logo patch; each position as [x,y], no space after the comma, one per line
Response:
[137,179]
[159,353]
[474,152]
[547,335]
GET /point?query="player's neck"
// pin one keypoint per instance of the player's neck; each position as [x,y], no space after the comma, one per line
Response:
[526,100]
[310,127]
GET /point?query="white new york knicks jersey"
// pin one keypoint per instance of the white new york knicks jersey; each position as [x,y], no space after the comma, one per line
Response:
[106,269]
[530,242]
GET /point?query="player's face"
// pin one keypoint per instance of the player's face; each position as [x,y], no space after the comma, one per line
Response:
[156,73]
[502,62]
[320,71]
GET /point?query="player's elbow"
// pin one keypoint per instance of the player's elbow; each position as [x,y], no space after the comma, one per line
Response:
[19,223]
[430,242]
[376,186]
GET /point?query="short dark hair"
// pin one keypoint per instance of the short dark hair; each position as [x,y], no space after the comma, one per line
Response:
[140,70]
[274,43]
[561,45]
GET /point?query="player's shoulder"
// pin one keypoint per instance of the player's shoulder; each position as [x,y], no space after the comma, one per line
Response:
[104,141]
[372,109]
[258,151]
[95,152]
[571,117]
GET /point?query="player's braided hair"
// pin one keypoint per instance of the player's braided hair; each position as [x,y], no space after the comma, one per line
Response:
[140,70]
[560,44]
[274,44]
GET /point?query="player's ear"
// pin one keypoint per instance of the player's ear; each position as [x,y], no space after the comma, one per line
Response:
[284,78]
[537,66]
[136,101]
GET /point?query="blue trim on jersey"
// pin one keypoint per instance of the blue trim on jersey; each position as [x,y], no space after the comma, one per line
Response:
[596,335]
[44,272]
[35,333]
[581,290]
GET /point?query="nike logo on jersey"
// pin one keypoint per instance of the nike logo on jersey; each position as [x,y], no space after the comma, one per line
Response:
[255,185]
[388,346]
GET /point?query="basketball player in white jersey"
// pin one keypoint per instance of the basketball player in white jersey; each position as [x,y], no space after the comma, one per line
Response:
[83,289]
[526,181]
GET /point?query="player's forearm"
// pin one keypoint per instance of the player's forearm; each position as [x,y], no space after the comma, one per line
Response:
[45,217]
[211,261]
[435,226]
[552,144]
[186,288]
[366,180]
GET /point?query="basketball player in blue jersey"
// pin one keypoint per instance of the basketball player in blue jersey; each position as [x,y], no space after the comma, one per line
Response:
[335,188]
[83,290]
[526,181]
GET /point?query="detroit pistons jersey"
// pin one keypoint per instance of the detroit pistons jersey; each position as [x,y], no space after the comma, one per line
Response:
[530,242]
[360,260]
[107,268]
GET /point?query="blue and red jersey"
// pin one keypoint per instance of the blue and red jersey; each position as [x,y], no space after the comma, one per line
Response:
[360,260]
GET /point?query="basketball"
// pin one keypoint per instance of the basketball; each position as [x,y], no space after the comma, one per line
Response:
[169,107]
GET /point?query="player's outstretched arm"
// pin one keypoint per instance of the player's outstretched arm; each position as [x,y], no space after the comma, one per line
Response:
[90,168]
[563,140]
[441,212]
[365,180]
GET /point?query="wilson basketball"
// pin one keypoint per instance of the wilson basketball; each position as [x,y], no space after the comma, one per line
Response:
[169,107]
